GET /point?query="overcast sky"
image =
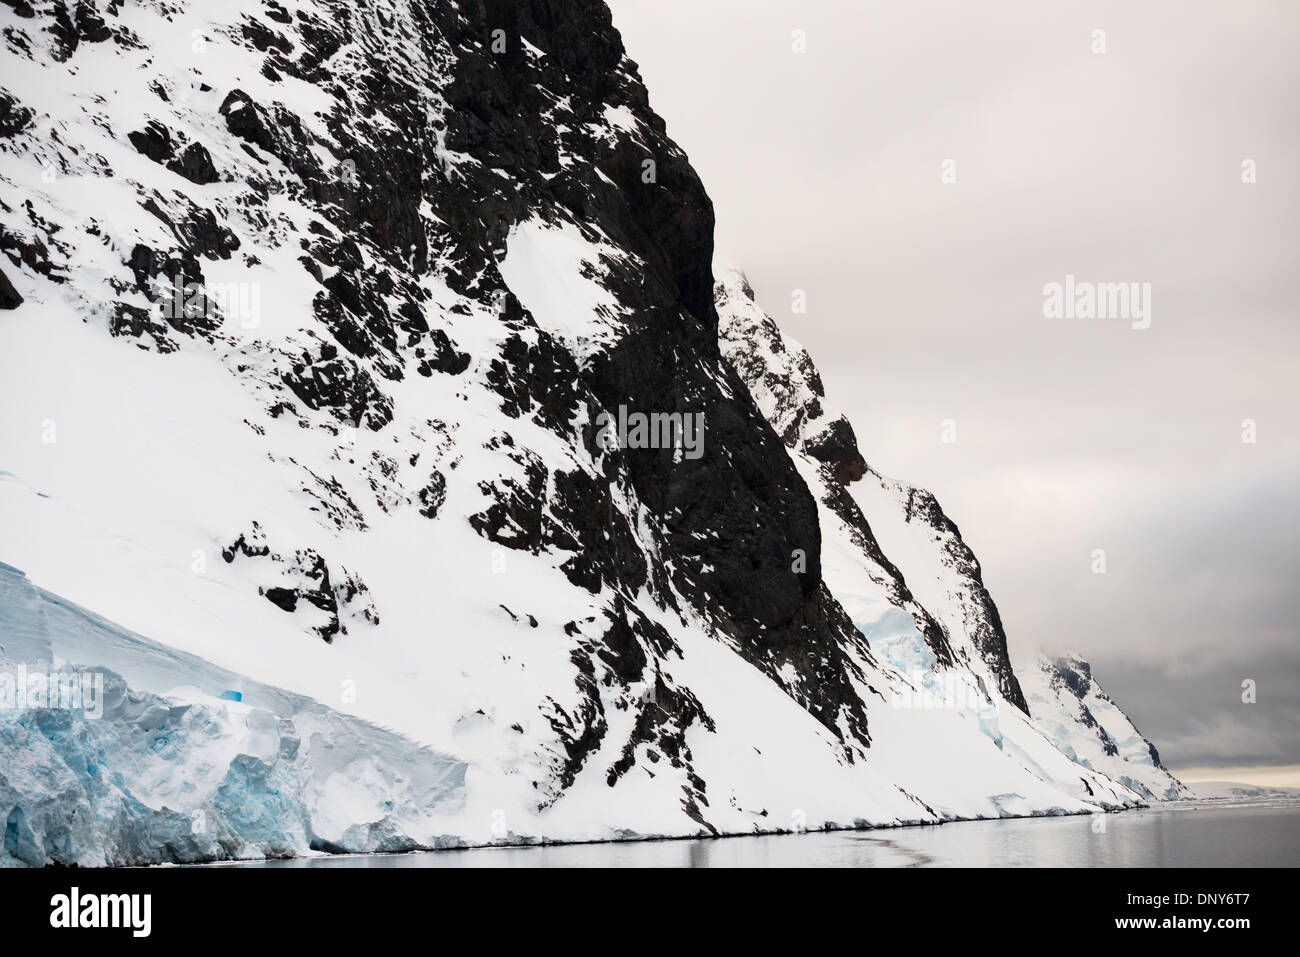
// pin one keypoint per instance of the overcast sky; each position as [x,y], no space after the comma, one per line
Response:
[925,302]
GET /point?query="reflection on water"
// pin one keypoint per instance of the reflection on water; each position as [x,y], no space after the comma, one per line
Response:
[1186,834]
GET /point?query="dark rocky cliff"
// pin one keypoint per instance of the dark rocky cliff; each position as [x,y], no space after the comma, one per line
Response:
[447,125]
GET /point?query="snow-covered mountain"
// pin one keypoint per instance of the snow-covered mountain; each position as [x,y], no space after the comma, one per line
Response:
[1063,696]
[373,427]
[898,538]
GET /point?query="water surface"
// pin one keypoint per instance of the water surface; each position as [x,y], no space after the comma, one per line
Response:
[1262,833]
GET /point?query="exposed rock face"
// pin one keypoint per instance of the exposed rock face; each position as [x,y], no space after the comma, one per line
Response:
[955,611]
[9,297]
[374,274]
[781,373]
[962,602]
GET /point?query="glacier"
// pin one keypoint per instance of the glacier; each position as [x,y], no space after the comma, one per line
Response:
[166,769]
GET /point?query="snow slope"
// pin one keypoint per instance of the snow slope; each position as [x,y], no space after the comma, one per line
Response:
[1087,725]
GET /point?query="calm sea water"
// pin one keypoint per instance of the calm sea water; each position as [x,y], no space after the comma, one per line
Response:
[1186,834]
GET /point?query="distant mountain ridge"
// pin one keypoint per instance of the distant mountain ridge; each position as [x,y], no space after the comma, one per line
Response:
[1236,791]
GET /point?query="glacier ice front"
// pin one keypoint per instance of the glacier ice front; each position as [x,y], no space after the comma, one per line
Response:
[153,763]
